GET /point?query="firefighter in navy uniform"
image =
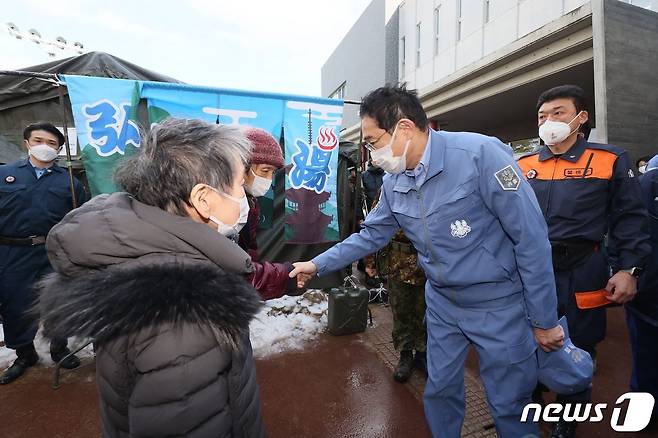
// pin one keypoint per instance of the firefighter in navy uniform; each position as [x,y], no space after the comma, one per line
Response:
[35,195]
[585,191]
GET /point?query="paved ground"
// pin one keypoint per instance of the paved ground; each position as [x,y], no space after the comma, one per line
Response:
[30,408]
[478,421]
[335,387]
[610,381]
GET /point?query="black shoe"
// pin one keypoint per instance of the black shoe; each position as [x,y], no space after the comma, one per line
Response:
[405,366]
[18,368]
[564,429]
[420,361]
[69,363]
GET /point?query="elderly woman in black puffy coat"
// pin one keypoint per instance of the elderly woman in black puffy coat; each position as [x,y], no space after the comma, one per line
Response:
[149,274]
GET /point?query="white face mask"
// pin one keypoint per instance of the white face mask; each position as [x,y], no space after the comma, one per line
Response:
[231,230]
[259,186]
[244,213]
[384,158]
[43,152]
[553,132]
[642,169]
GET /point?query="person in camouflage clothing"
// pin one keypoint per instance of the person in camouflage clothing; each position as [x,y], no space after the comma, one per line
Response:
[406,287]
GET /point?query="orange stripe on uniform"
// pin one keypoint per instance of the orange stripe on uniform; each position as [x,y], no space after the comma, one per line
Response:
[600,167]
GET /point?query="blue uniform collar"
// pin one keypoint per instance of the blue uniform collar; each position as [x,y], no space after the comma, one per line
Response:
[25,162]
[420,171]
[572,155]
[434,166]
[438,145]
[54,167]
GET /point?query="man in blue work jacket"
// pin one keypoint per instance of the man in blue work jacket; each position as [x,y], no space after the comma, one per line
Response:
[585,191]
[482,241]
[35,194]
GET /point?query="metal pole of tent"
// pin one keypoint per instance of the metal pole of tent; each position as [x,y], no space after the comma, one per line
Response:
[54,79]
[30,74]
[69,163]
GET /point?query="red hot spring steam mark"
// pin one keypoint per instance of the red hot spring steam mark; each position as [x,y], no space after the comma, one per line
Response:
[327,140]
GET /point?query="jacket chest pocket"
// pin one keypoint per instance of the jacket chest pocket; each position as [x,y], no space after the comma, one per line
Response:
[12,197]
[459,225]
[58,202]
[407,208]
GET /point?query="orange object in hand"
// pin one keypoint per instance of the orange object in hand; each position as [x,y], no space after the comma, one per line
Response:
[594,299]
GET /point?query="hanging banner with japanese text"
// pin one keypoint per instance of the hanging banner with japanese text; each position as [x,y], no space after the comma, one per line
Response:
[105,117]
[311,132]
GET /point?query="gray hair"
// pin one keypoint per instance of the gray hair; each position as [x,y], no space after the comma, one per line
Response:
[177,154]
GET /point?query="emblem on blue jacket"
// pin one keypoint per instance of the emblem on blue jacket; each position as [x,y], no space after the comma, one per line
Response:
[508,178]
[459,229]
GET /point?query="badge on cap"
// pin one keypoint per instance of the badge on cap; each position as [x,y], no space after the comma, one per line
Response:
[10,179]
[532,173]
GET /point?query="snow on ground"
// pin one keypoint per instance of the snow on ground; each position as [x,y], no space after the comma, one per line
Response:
[42,346]
[282,324]
[288,323]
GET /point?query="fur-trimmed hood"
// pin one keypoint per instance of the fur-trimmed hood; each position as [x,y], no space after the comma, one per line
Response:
[122,266]
[120,300]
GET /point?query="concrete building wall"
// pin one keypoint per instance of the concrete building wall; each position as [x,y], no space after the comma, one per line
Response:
[467,31]
[631,77]
[358,61]
[392,31]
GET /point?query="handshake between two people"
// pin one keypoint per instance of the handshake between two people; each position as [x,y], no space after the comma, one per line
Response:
[304,271]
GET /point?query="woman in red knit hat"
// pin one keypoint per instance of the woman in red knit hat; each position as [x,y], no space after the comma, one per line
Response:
[270,279]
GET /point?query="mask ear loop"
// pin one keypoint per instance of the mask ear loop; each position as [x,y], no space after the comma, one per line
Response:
[579,125]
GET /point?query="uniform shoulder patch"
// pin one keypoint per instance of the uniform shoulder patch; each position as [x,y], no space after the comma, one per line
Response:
[508,178]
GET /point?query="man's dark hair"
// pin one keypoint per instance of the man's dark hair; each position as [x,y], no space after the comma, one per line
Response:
[387,105]
[43,126]
[573,93]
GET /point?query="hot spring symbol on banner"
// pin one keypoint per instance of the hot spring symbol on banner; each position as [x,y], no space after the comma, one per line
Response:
[311,205]
[313,173]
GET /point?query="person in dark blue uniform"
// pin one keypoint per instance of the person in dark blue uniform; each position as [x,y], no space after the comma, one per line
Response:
[585,191]
[642,312]
[35,194]
[483,244]
[372,181]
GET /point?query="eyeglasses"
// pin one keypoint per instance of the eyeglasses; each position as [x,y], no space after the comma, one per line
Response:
[371,145]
